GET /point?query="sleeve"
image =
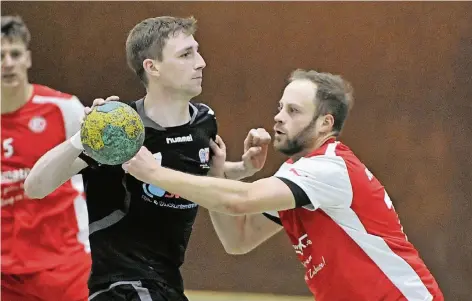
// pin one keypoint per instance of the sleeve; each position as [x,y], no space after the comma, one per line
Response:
[324,179]
[211,114]
[215,128]
[273,216]
[73,113]
[91,162]
[301,199]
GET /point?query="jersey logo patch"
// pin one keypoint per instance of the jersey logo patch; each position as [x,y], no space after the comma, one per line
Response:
[294,171]
[204,155]
[37,124]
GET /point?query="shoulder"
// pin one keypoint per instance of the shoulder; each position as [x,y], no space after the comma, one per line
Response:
[47,92]
[203,110]
[326,160]
[49,96]
[204,116]
[134,103]
[316,167]
[333,159]
[50,103]
[324,179]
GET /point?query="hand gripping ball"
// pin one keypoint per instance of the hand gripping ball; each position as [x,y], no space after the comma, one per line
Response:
[112,133]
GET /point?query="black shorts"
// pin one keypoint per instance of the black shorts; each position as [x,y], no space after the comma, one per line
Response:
[139,290]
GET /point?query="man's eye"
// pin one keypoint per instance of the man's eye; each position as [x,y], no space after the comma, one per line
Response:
[16,54]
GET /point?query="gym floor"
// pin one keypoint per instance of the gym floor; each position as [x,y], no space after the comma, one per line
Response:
[229,296]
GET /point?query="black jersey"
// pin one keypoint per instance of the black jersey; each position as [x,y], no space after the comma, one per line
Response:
[137,230]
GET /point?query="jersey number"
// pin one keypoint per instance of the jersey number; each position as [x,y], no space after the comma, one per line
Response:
[387,199]
[7,147]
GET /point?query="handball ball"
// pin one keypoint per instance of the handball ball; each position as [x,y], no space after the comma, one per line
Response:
[112,133]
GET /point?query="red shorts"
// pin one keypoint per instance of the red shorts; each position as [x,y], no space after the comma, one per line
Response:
[66,282]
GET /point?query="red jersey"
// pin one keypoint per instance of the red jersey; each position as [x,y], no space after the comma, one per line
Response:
[40,234]
[349,238]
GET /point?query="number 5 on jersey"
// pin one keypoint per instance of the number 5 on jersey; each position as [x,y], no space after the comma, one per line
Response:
[7,146]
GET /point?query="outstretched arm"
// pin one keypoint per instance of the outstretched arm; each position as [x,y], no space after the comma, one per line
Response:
[221,195]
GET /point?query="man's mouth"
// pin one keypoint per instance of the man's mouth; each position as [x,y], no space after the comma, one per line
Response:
[279,132]
[8,76]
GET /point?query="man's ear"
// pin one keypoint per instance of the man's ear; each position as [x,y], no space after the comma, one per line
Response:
[151,67]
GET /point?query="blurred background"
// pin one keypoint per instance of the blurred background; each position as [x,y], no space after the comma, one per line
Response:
[411,67]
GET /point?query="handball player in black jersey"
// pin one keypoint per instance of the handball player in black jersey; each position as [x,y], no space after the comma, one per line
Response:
[139,232]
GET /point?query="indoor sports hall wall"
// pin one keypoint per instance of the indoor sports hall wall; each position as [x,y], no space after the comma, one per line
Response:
[410,65]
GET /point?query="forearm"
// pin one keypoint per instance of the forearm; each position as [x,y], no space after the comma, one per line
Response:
[215,194]
[241,234]
[231,231]
[236,170]
[52,170]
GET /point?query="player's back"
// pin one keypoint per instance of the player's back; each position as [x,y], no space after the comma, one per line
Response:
[40,234]
[382,237]
[139,231]
[354,237]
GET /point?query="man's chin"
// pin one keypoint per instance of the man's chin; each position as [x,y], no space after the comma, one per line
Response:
[278,145]
[194,92]
[285,149]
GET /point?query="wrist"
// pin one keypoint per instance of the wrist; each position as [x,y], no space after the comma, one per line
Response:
[247,169]
[155,175]
[76,142]
[217,173]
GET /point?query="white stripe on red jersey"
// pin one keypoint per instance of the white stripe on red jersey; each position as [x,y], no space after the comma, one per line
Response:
[350,238]
[71,109]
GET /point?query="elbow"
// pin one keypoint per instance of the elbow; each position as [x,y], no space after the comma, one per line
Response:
[241,203]
[32,190]
[236,249]
[236,206]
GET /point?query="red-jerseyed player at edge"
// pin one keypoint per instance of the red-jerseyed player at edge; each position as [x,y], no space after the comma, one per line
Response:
[45,250]
[339,217]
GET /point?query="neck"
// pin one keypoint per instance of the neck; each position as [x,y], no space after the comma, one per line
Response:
[316,144]
[166,108]
[15,97]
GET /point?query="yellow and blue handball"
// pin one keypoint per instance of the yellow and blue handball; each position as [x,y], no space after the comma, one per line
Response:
[112,133]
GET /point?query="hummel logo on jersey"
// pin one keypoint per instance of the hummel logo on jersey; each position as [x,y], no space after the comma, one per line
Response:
[179,139]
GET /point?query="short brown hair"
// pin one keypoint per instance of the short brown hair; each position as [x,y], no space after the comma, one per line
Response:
[148,38]
[14,27]
[333,96]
